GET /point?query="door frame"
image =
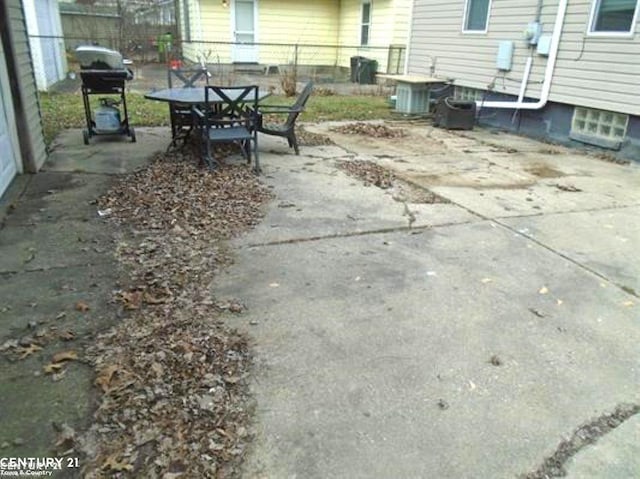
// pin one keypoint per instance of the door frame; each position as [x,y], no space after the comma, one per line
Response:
[234,46]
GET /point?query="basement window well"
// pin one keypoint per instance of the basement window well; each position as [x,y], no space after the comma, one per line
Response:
[599,127]
[616,17]
[463,93]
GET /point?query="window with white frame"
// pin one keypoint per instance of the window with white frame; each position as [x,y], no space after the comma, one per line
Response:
[476,15]
[365,25]
[613,16]
[599,123]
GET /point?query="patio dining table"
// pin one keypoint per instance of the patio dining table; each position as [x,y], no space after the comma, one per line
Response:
[194,96]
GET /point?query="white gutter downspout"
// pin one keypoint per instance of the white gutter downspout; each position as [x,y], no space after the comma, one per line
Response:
[548,73]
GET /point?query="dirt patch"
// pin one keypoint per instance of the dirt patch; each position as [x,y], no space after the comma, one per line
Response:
[373,174]
[370,129]
[542,170]
[588,433]
[171,377]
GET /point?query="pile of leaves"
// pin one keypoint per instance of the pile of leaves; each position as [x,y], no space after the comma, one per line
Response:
[375,130]
[171,376]
[373,174]
[308,138]
[369,172]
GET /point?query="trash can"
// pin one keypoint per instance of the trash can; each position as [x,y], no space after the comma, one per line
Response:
[455,115]
[355,66]
[363,70]
[367,71]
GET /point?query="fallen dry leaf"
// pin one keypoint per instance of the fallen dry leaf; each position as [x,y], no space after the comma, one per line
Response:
[628,304]
[64,356]
[486,280]
[29,350]
[113,464]
[67,335]
[104,377]
[543,290]
[53,368]
[82,307]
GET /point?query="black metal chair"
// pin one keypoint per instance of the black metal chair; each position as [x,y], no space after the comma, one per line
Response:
[180,114]
[288,128]
[229,115]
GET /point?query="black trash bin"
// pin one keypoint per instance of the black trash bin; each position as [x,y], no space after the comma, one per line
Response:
[455,115]
[363,70]
[367,71]
[355,66]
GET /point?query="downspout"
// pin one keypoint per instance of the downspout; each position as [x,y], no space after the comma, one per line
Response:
[548,74]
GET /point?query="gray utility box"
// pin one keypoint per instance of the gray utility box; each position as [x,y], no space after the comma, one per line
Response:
[455,115]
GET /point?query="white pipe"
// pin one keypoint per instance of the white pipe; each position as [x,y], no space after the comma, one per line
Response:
[525,78]
[548,73]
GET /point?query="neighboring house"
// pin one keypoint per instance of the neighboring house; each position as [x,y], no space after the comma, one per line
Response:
[569,69]
[326,32]
[22,147]
[47,44]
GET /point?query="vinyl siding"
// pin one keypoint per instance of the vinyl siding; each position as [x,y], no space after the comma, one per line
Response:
[30,124]
[596,72]
[389,25]
[317,28]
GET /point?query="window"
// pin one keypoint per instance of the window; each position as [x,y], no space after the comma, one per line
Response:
[613,16]
[464,93]
[599,127]
[476,15]
[366,22]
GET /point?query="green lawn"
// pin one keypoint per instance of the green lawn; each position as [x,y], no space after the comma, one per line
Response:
[65,110]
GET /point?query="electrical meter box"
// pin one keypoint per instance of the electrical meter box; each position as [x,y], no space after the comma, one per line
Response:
[505,55]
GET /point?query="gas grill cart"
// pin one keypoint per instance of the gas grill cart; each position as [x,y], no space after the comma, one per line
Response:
[103,73]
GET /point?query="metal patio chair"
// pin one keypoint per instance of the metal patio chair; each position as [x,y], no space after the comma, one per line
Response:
[229,115]
[288,128]
[180,114]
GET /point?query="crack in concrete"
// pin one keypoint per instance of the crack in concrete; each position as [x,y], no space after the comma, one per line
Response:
[396,229]
[585,435]
[8,273]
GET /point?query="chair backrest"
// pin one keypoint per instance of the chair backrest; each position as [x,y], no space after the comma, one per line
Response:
[231,102]
[299,105]
[188,77]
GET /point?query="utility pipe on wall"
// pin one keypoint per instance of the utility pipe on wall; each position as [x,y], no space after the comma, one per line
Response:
[548,73]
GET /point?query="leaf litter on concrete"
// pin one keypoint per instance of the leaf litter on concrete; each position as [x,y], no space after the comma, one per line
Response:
[370,173]
[171,377]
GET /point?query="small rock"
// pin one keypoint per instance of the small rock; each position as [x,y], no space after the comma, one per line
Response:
[442,404]
[254,322]
[25,341]
[18,441]
[4,445]
[32,325]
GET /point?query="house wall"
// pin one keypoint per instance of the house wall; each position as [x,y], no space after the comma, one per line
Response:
[318,27]
[389,25]
[22,84]
[48,54]
[596,72]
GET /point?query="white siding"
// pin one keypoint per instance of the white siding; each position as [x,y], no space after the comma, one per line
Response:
[29,125]
[594,72]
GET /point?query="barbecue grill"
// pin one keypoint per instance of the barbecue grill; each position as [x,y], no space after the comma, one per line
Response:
[103,73]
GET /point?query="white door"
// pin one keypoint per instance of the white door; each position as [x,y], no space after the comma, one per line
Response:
[8,153]
[244,31]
